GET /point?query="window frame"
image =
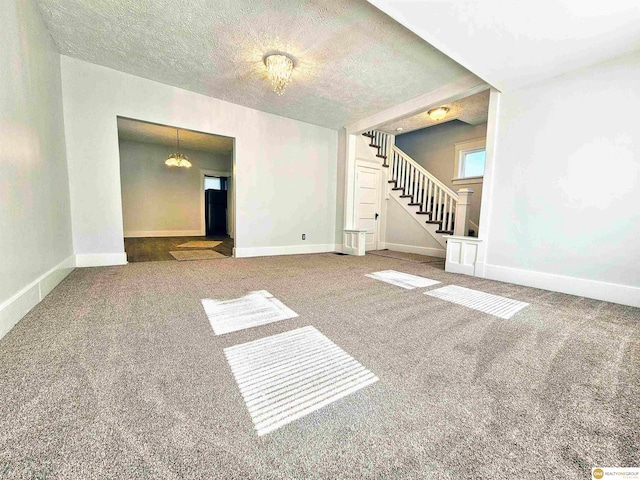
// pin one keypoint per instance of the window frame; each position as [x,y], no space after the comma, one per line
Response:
[461,150]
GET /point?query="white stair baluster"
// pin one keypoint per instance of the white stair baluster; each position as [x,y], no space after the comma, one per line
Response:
[425,196]
[452,210]
[444,214]
[412,178]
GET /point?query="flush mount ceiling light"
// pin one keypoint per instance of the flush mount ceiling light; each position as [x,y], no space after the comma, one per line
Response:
[178,159]
[399,129]
[279,70]
[438,114]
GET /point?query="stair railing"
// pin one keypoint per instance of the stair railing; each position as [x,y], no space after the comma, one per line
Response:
[426,191]
[381,141]
[433,197]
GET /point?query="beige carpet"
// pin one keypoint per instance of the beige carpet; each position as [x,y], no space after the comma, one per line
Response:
[199,244]
[196,255]
[117,374]
[407,257]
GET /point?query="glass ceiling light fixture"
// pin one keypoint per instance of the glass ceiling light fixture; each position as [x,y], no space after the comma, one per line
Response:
[438,114]
[178,159]
[279,70]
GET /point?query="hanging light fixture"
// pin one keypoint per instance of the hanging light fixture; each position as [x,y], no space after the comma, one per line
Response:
[279,70]
[438,114]
[177,159]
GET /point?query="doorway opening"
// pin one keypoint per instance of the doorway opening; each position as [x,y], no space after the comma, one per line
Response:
[174,209]
[216,205]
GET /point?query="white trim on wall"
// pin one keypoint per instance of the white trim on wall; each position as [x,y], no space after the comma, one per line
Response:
[163,233]
[398,247]
[608,292]
[16,307]
[487,184]
[284,250]
[101,259]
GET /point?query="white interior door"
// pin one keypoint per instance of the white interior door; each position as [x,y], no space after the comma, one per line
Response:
[368,202]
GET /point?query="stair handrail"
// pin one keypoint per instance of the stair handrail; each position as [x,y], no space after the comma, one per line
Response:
[425,172]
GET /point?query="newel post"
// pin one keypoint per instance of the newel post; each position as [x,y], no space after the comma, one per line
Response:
[461,227]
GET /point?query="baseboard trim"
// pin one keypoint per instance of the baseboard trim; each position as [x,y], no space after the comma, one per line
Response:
[100,259]
[285,250]
[16,307]
[164,233]
[608,292]
[398,247]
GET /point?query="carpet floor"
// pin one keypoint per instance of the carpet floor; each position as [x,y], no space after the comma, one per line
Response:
[118,374]
[409,257]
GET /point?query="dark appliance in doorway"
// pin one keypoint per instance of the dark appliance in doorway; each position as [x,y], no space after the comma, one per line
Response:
[215,202]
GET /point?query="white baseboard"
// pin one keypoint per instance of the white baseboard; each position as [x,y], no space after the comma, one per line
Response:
[608,292]
[286,250]
[164,233]
[19,305]
[101,259]
[398,247]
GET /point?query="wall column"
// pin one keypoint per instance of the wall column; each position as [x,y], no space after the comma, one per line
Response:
[461,227]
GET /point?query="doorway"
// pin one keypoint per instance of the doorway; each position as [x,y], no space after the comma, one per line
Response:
[168,212]
[216,205]
[368,177]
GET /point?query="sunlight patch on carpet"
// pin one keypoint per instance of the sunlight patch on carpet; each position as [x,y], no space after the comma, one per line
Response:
[484,302]
[404,280]
[287,376]
[252,310]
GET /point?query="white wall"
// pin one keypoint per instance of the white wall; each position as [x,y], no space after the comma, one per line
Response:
[35,224]
[164,201]
[340,185]
[405,235]
[434,149]
[285,170]
[566,184]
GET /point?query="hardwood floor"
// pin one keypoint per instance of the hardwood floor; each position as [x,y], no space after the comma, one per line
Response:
[157,248]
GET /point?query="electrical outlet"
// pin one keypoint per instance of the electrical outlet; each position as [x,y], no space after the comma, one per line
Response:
[304,236]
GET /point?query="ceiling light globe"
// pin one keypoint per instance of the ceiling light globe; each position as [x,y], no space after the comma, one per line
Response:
[172,160]
[438,114]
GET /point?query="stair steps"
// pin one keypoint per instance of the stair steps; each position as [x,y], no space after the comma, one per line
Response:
[427,195]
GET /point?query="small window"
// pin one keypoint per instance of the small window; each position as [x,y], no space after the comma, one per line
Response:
[469,162]
[215,183]
[472,163]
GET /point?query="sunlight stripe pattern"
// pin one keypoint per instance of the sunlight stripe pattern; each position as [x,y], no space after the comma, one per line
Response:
[252,310]
[485,302]
[287,376]
[404,280]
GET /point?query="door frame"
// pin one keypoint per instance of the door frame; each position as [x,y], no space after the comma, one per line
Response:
[362,162]
[230,206]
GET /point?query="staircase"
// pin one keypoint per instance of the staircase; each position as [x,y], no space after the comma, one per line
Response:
[427,199]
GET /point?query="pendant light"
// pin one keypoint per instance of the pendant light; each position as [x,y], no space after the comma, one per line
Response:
[177,159]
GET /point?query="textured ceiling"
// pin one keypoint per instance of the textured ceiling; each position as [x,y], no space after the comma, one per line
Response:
[144,132]
[511,44]
[351,59]
[473,110]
